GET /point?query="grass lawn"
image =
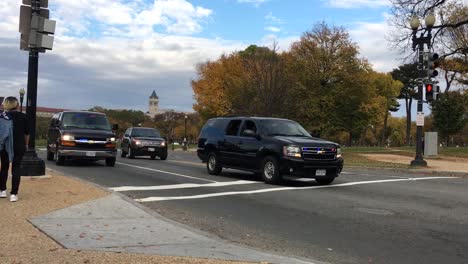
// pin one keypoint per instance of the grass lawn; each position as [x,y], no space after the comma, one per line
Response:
[353,158]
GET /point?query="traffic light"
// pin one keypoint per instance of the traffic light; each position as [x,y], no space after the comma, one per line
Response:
[429,92]
[432,64]
[436,92]
[35,26]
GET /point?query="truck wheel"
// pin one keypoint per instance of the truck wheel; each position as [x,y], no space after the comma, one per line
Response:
[213,165]
[325,180]
[131,155]
[59,159]
[270,170]
[163,156]
[110,162]
[50,155]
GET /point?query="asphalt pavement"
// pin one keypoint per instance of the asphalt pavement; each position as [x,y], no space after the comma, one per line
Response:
[365,216]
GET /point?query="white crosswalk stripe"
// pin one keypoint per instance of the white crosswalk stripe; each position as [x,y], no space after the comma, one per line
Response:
[157,199]
[179,186]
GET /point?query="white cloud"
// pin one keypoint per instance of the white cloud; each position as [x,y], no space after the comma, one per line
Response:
[272,19]
[273,29]
[357,3]
[255,2]
[373,45]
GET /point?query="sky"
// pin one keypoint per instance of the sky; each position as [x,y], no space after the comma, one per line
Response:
[115,53]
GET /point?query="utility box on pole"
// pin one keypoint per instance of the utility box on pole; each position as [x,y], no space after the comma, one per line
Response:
[430,145]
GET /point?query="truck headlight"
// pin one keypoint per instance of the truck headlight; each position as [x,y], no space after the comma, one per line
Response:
[68,138]
[338,153]
[292,151]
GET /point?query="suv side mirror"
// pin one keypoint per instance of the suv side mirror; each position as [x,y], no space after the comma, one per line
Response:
[56,123]
[315,133]
[115,127]
[249,133]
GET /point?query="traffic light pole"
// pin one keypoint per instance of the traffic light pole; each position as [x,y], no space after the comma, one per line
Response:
[419,43]
[32,165]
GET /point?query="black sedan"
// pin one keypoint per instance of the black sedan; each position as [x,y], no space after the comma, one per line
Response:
[143,141]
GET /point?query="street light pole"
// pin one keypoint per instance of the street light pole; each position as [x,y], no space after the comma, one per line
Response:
[185,133]
[32,165]
[21,93]
[418,43]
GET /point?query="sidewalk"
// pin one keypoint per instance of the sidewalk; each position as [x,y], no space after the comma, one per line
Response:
[446,164]
[81,223]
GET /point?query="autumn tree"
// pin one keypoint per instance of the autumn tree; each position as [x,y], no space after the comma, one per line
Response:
[450,114]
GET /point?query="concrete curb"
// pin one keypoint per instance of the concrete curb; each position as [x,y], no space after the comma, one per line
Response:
[413,171]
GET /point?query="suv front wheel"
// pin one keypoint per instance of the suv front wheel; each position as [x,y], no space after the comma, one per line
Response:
[213,165]
[270,170]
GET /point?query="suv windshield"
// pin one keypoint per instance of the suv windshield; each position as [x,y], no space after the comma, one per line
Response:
[145,132]
[85,121]
[286,128]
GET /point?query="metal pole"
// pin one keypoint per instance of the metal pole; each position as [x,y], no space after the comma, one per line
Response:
[418,160]
[32,165]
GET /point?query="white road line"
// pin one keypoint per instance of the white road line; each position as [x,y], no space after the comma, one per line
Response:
[166,172]
[156,199]
[178,186]
[187,162]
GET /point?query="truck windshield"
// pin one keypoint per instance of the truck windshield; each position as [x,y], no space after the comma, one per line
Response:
[285,128]
[145,132]
[85,121]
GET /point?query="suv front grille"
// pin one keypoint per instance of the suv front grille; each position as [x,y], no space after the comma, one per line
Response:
[318,153]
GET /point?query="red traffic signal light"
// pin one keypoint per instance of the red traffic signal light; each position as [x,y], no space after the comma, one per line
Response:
[429,92]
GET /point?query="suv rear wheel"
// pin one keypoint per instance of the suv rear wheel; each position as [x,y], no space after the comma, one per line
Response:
[270,170]
[213,165]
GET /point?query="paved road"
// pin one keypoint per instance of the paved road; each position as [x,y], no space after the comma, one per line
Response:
[364,217]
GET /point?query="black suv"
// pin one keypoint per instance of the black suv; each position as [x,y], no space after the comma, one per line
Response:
[270,147]
[81,135]
[143,141]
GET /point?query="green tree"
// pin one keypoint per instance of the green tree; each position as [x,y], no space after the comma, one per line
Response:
[407,74]
[450,114]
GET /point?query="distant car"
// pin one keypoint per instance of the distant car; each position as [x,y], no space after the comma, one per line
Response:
[81,135]
[143,141]
[270,147]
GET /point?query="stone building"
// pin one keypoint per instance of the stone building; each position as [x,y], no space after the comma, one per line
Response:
[153,104]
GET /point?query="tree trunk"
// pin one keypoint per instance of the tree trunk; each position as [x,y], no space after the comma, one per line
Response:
[447,140]
[350,139]
[384,131]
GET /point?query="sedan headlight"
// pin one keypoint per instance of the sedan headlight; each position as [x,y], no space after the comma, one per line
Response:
[292,151]
[338,153]
[68,138]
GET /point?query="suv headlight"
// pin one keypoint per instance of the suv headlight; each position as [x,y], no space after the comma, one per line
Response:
[112,139]
[338,153]
[68,138]
[292,151]
[163,144]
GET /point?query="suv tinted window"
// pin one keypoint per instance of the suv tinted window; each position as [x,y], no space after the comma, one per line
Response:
[248,125]
[279,127]
[233,127]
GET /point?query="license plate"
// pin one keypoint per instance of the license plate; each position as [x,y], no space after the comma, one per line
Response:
[151,149]
[90,154]
[320,172]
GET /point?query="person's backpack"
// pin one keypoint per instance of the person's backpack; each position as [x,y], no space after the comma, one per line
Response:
[6,134]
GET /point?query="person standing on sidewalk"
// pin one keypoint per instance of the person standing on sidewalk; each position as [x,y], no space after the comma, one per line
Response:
[20,144]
